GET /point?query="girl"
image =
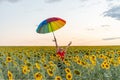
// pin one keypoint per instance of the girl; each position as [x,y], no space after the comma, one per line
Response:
[60,51]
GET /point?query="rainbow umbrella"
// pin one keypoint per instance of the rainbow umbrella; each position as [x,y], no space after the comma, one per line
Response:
[50,25]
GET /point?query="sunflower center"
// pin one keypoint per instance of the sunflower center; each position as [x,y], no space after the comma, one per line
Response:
[69,76]
[58,78]
[50,72]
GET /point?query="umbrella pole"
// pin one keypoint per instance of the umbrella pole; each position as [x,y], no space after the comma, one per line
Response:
[54,37]
[55,40]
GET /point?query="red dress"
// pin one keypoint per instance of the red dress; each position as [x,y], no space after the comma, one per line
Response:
[61,54]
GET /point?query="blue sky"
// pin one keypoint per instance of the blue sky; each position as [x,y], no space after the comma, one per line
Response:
[88,22]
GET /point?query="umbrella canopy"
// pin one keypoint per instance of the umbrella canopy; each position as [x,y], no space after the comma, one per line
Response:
[50,25]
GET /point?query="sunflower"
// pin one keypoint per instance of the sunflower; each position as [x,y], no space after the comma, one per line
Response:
[10,75]
[28,64]
[105,58]
[115,63]
[37,66]
[111,61]
[69,76]
[20,56]
[86,57]
[58,78]
[79,62]
[25,69]
[50,72]
[38,76]
[112,52]
[1,55]
[98,52]
[93,63]
[84,64]
[25,61]
[52,57]
[70,57]
[77,56]
[107,66]
[76,72]
[74,59]
[45,66]
[51,63]
[67,70]
[67,64]
[43,60]
[92,58]
[101,56]
[118,52]
[118,59]
[105,62]
[8,59]
[107,53]
[4,64]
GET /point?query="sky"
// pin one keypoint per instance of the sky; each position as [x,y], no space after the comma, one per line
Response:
[88,22]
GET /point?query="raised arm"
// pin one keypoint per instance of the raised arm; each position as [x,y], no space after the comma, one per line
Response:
[68,46]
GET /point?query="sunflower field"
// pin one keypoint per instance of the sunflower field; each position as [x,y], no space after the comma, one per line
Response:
[42,63]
